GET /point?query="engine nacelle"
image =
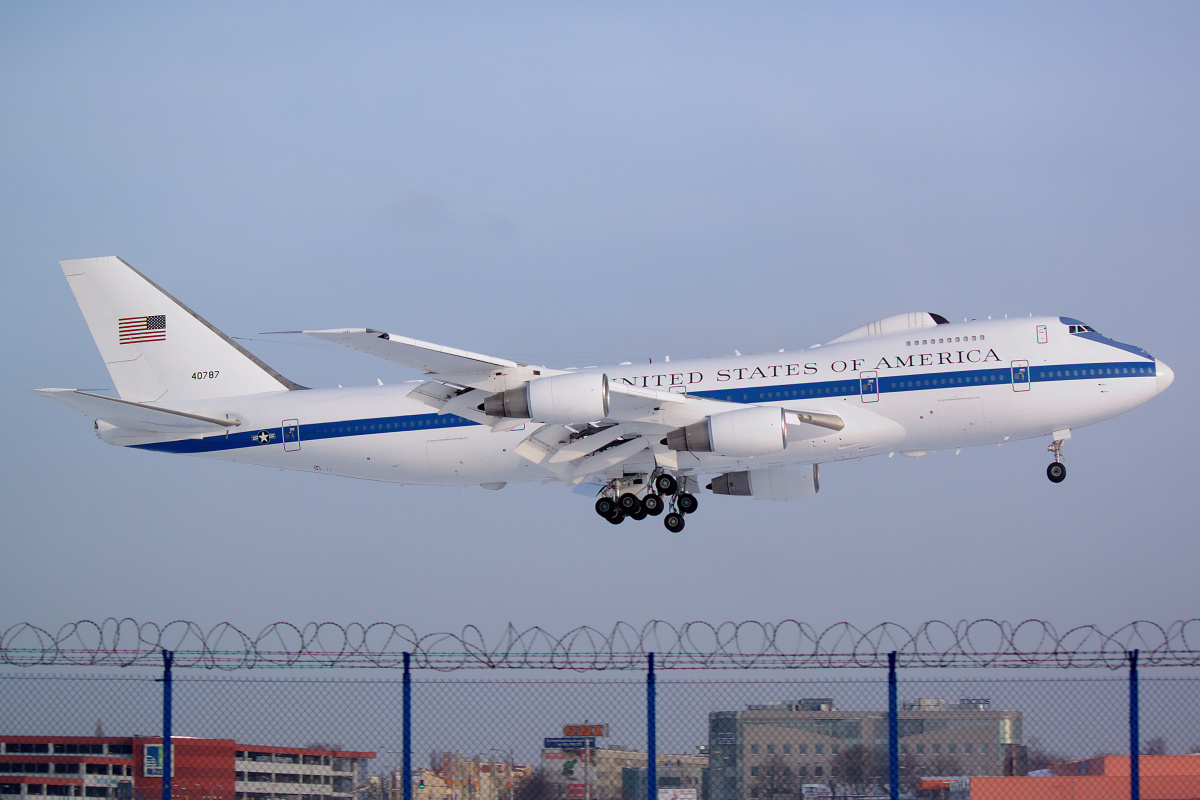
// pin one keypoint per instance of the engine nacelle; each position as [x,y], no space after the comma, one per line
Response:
[756,431]
[581,397]
[781,483]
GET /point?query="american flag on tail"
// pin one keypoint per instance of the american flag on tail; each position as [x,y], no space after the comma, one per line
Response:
[133,330]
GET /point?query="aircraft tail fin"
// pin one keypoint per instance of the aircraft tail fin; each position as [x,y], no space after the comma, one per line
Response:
[155,347]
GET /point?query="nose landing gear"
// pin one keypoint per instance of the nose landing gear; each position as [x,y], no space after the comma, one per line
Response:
[1057,471]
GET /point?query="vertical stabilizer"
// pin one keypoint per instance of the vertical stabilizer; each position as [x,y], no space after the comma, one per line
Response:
[156,348]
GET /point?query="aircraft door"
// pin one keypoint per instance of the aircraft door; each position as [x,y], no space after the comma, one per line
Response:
[291,435]
[1020,376]
[868,385]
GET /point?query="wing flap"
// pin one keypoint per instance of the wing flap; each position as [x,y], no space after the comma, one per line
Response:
[136,416]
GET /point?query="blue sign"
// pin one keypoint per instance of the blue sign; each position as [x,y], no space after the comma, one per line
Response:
[570,743]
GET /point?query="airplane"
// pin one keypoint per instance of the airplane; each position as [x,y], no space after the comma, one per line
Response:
[640,438]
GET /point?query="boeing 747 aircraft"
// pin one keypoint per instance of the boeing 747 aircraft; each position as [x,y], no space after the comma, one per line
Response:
[642,438]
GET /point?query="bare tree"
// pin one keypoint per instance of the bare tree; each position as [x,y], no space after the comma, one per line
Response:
[859,766]
[1155,746]
[536,785]
[1038,756]
[775,779]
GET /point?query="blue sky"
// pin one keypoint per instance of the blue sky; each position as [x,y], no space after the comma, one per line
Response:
[580,184]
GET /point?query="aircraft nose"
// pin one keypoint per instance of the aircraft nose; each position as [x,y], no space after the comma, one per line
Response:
[1164,374]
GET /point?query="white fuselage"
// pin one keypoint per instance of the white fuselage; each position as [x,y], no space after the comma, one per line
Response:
[953,385]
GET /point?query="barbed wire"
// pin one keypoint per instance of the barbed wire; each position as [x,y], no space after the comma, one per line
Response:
[694,645]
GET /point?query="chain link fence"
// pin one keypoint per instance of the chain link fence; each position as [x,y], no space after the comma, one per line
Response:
[1110,729]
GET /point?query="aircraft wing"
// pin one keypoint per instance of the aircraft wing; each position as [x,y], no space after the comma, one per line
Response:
[441,363]
[136,416]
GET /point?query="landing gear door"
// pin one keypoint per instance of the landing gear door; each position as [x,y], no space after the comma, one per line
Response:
[868,383]
[291,435]
[1020,376]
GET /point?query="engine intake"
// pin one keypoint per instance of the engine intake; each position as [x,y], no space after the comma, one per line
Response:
[756,431]
[581,397]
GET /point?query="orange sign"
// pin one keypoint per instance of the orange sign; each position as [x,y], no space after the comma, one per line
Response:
[585,730]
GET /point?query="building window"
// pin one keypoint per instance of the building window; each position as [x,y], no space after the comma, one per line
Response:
[903,749]
[95,791]
[770,749]
[983,749]
[66,769]
[818,771]
[967,749]
[819,749]
[937,749]
[754,772]
[833,748]
[35,788]
[753,749]
[952,749]
[802,750]
[920,749]
[787,749]
[97,769]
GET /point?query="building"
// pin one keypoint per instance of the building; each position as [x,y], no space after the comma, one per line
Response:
[615,773]
[1102,778]
[116,768]
[463,778]
[773,749]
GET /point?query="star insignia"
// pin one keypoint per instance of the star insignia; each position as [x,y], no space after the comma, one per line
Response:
[262,437]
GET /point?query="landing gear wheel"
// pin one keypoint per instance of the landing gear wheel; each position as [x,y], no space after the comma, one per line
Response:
[674,522]
[629,503]
[653,505]
[616,517]
[605,506]
[687,502]
[639,515]
[1056,472]
[666,484]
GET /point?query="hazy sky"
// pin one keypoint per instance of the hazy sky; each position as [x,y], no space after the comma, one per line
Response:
[590,183]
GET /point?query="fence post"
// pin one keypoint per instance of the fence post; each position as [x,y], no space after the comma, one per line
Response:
[1135,738]
[651,733]
[406,742]
[893,731]
[168,660]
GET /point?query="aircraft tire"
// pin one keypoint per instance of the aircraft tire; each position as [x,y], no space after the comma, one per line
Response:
[616,517]
[666,484]
[605,506]
[687,503]
[674,522]
[653,505]
[629,503]
[1056,472]
[639,515]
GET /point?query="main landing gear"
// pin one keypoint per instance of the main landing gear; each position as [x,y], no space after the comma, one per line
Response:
[1057,471]
[617,501]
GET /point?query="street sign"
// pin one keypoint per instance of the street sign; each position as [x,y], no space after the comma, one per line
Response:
[570,743]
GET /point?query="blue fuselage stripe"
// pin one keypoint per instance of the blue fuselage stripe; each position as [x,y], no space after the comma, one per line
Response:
[845,387]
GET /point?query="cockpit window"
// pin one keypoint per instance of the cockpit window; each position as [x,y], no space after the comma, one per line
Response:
[1081,329]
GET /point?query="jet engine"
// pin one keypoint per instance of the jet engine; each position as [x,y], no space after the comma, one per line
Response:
[581,397]
[781,483]
[756,431]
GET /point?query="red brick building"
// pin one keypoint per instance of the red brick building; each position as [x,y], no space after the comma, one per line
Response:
[116,768]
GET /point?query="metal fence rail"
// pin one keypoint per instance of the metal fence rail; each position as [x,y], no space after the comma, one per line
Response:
[303,721]
[694,645]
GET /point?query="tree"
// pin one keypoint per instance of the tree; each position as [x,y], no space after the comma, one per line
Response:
[1038,756]
[858,765]
[1155,746]
[536,785]
[774,779]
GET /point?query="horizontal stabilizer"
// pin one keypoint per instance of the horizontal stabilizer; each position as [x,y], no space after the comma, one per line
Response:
[136,416]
